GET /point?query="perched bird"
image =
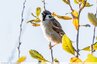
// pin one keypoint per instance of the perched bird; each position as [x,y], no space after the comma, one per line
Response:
[51,28]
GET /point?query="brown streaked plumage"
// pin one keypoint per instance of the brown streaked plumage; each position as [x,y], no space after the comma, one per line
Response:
[51,28]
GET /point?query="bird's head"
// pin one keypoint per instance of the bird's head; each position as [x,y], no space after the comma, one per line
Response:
[46,15]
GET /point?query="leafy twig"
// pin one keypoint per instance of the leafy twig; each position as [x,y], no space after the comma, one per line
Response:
[22,19]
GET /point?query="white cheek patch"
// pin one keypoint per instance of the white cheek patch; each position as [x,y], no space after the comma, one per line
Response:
[49,17]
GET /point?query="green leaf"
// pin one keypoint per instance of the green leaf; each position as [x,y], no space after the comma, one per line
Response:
[56,60]
[88,4]
[92,19]
[38,11]
[37,55]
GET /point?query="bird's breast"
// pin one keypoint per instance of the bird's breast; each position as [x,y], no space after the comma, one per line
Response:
[49,33]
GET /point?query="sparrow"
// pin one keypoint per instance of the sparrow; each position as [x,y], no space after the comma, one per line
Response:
[51,28]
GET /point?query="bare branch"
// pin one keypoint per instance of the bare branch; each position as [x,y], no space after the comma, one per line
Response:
[44,4]
[77,38]
[22,19]
[52,57]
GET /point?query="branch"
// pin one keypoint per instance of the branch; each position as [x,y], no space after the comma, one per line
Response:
[92,50]
[44,6]
[22,19]
[70,5]
[52,57]
[77,38]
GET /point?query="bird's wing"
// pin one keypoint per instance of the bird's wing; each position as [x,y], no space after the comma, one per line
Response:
[56,24]
[57,27]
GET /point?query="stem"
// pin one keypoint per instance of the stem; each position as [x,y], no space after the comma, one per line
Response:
[22,19]
[77,37]
[92,50]
[70,5]
[52,57]
[44,6]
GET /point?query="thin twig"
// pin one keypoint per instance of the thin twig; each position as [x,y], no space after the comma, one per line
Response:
[92,50]
[77,38]
[22,19]
[44,4]
[70,5]
[52,57]
[34,15]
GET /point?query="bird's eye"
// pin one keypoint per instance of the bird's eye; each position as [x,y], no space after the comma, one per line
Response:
[50,16]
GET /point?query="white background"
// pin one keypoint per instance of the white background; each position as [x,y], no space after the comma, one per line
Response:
[32,37]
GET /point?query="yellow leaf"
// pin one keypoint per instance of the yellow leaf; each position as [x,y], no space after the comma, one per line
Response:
[35,20]
[75,23]
[64,17]
[88,48]
[79,0]
[87,4]
[75,14]
[61,17]
[35,24]
[92,19]
[42,62]
[75,60]
[38,11]
[66,1]
[91,58]
[37,55]
[76,2]
[67,45]
[21,59]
